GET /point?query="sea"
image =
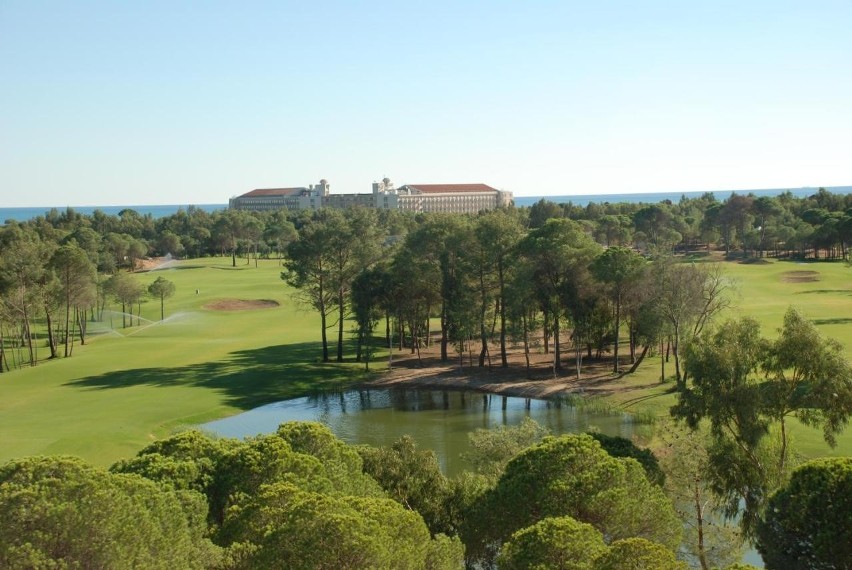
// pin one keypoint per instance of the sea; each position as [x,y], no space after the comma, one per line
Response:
[163,210]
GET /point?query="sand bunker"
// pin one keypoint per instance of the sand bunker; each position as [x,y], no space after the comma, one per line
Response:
[240,304]
[799,276]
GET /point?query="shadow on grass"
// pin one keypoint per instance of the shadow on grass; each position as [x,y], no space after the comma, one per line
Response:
[248,378]
[825,291]
[835,321]
[178,267]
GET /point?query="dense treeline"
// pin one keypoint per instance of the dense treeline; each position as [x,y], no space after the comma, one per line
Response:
[492,278]
[489,281]
[301,498]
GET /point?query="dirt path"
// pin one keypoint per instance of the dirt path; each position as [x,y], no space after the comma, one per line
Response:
[429,372]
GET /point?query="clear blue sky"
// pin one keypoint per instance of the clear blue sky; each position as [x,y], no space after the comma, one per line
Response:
[105,103]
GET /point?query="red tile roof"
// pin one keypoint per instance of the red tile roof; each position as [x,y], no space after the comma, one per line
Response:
[272,192]
[451,188]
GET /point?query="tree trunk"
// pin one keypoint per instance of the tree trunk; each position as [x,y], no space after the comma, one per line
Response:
[638,360]
[388,342]
[578,356]
[324,333]
[81,326]
[3,360]
[67,312]
[428,325]
[419,360]
[444,331]
[525,325]
[504,362]
[617,327]
[783,454]
[699,512]
[557,355]
[51,338]
[483,332]
[632,334]
[366,351]
[70,350]
[675,353]
[340,309]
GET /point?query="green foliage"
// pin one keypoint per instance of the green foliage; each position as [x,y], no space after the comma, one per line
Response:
[744,384]
[571,476]
[620,270]
[161,289]
[297,498]
[557,255]
[284,526]
[445,553]
[413,478]
[186,460]
[708,537]
[809,377]
[341,463]
[808,522]
[498,233]
[59,512]
[369,292]
[623,447]
[638,554]
[559,543]
[266,460]
[492,449]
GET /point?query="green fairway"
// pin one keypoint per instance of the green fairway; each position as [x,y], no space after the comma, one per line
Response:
[125,388]
[765,290]
[129,386]
[822,291]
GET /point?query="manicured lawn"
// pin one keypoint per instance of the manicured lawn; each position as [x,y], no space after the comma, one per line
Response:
[129,387]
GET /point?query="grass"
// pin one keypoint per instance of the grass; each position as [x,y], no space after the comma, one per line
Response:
[118,393]
[764,291]
[129,387]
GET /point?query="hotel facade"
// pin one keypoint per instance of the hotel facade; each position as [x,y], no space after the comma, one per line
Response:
[453,198]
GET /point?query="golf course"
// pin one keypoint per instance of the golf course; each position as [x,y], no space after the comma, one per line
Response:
[234,338]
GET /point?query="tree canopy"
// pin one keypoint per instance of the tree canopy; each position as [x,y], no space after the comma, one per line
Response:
[571,475]
[60,512]
[808,522]
[747,387]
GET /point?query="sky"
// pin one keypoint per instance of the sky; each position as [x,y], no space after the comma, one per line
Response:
[112,103]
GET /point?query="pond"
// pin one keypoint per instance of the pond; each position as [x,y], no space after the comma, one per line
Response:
[437,420]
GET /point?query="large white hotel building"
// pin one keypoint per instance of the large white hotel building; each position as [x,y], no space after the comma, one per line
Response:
[456,198]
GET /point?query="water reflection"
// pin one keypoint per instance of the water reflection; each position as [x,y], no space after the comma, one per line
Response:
[437,419]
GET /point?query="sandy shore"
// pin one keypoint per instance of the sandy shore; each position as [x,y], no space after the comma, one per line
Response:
[429,372]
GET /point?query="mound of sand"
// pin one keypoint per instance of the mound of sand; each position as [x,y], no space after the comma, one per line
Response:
[799,276]
[240,304]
